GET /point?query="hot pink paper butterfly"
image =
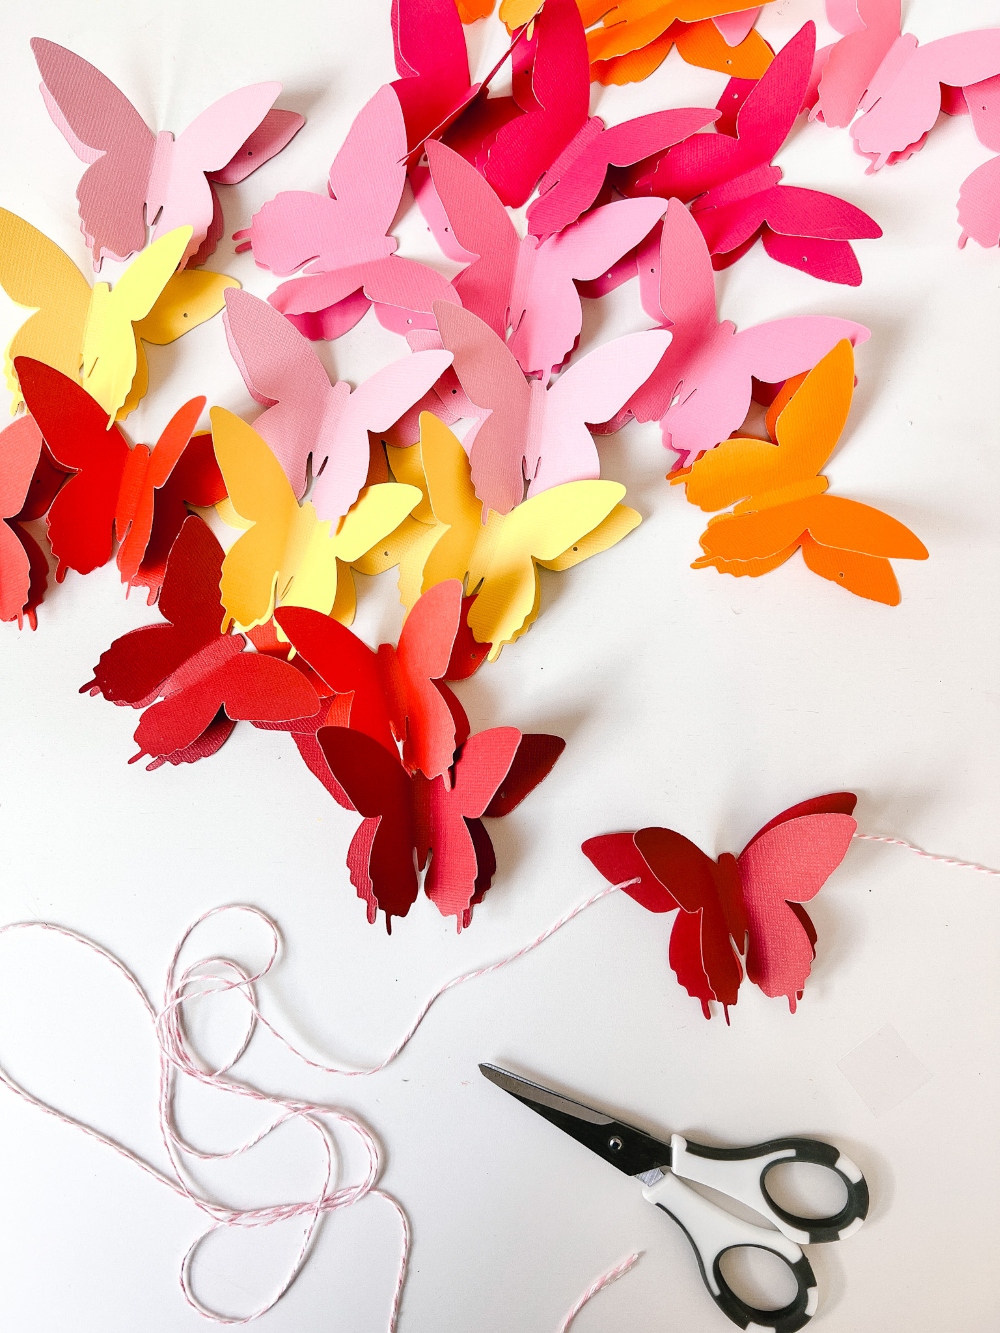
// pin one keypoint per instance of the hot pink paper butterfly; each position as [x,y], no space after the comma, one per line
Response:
[513,140]
[700,392]
[308,417]
[737,192]
[134,176]
[342,239]
[576,178]
[749,904]
[533,433]
[526,285]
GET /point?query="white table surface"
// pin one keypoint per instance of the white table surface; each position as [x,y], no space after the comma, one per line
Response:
[690,699]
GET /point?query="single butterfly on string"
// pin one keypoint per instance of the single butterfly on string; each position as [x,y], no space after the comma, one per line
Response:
[445,537]
[701,390]
[779,498]
[341,241]
[737,912]
[135,177]
[194,681]
[136,495]
[735,191]
[95,335]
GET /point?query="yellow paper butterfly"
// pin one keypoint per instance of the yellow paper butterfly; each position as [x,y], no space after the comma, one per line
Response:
[92,334]
[556,528]
[287,554]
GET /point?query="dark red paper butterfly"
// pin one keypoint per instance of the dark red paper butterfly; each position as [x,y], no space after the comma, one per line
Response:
[205,680]
[139,495]
[748,904]
[407,819]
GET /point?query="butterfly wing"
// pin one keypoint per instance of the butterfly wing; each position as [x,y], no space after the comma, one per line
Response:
[619,860]
[546,311]
[979,205]
[275,132]
[346,664]
[380,790]
[702,953]
[375,405]
[261,495]
[103,128]
[367,177]
[425,722]
[789,863]
[481,767]
[852,62]
[74,427]
[34,272]
[493,380]
[593,389]
[534,760]
[212,139]
[454,505]
[282,371]
[542,528]
[433,63]
[20,448]
[481,226]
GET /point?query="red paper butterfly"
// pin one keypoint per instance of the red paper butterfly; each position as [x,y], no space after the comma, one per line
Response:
[28,483]
[139,495]
[409,818]
[748,904]
[205,680]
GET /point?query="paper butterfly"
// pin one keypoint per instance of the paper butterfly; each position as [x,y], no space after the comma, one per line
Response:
[93,335]
[20,449]
[845,69]
[749,904]
[308,417]
[137,494]
[780,500]
[979,199]
[736,190]
[399,693]
[433,62]
[701,390]
[497,560]
[576,178]
[513,140]
[638,35]
[135,177]
[204,680]
[527,285]
[289,556]
[533,433]
[341,240]
[408,819]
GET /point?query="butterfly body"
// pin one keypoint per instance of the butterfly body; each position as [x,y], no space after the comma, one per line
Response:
[740,910]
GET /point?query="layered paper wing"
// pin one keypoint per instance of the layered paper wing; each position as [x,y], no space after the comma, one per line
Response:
[20,449]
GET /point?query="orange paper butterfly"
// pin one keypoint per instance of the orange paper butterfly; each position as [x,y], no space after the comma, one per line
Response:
[780,500]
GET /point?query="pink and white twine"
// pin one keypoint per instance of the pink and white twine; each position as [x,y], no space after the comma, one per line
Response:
[215,976]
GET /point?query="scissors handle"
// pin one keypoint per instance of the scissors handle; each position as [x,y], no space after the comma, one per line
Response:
[712,1232]
[741,1173]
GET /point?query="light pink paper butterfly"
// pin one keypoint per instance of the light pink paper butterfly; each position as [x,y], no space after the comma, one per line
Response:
[526,285]
[134,176]
[979,200]
[533,433]
[844,71]
[904,98]
[700,392]
[306,415]
[342,239]
[736,191]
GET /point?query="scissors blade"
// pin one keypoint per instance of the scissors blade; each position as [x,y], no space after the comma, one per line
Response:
[622,1145]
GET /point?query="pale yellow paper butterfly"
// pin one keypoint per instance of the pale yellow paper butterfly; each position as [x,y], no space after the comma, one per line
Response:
[287,555]
[92,334]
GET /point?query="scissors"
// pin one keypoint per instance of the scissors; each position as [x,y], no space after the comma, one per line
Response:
[739,1173]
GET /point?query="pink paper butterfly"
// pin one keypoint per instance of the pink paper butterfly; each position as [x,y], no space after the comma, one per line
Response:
[576,178]
[134,176]
[533,433]
[736,191]
[979,200]
[526,285]
[700,391]
[307,416]
[342,239]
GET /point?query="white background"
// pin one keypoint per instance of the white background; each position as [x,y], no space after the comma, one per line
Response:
[687,698]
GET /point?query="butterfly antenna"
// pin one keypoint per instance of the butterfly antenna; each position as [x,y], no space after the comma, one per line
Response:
[484,84]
